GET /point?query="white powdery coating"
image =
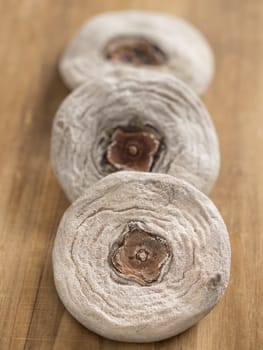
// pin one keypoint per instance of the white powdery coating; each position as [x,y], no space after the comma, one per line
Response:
[198,272]
[159,100]
[189,56]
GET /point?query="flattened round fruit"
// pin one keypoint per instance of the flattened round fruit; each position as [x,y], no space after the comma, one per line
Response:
[141,121]
[143,40]
[141,257]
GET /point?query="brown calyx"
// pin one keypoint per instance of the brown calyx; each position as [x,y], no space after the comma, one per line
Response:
[135,51]
[140,256]
[132,150]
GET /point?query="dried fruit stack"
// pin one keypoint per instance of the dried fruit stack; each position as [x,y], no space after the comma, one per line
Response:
[142,254]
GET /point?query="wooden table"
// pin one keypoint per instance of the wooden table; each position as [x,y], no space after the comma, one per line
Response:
[32,36]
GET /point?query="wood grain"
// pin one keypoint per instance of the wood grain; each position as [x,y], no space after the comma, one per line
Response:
[32,36]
